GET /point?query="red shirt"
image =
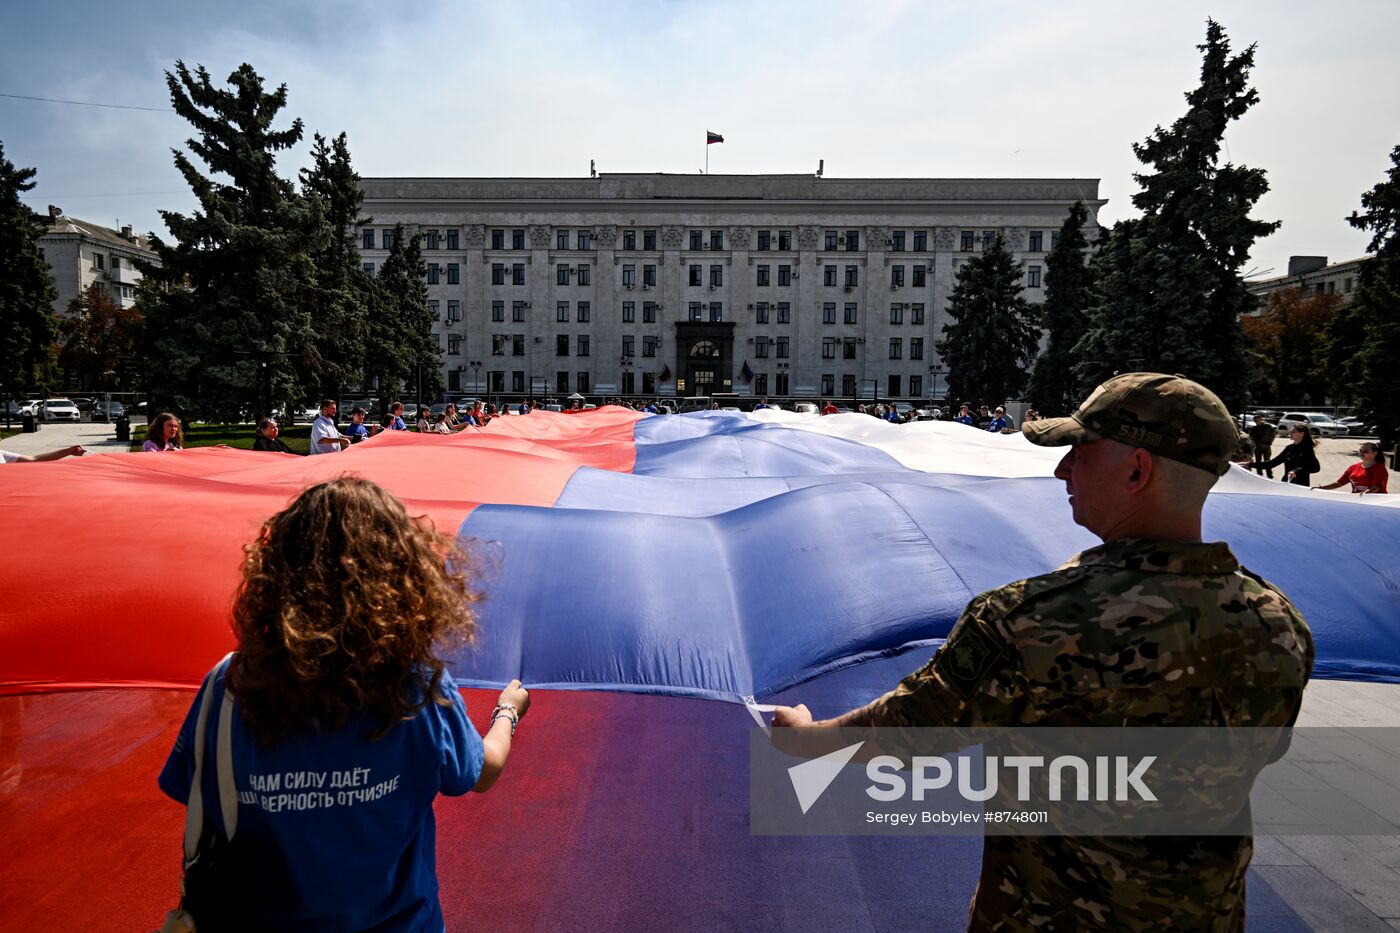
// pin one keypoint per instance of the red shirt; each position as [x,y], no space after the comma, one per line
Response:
[829,409]
[1361,477]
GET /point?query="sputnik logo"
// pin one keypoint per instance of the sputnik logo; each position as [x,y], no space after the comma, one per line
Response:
[811,778]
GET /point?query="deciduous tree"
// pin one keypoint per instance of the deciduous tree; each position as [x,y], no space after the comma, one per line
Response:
[98,338]
[1290,338]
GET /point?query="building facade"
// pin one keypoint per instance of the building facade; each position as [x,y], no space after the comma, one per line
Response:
[781,285]
[80,253]
[1313,276]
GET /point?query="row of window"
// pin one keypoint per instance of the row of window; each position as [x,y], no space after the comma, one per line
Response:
[496,378]
[514,345]
[781,240]
[99,261]
[583,382]
[583,275]
[762,344]
[764,312]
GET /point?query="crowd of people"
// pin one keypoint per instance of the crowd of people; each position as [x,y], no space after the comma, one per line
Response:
[1253,447]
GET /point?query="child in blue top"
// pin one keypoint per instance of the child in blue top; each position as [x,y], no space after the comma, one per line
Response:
[345,723]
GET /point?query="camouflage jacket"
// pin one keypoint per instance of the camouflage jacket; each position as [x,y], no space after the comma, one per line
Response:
[1131,633]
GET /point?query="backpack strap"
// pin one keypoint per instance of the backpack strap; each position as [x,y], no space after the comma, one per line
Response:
[194,808]
[228,791]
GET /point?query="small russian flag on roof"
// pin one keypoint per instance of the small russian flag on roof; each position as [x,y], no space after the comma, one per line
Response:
[712,137]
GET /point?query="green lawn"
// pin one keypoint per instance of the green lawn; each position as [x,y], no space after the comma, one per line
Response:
[296,436]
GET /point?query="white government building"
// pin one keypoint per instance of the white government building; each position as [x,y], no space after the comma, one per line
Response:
[654,284]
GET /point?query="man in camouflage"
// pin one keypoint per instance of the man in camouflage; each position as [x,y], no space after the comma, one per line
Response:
[1152,628]
[1262,434]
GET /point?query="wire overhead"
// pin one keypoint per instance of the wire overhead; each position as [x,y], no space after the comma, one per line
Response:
[87,103]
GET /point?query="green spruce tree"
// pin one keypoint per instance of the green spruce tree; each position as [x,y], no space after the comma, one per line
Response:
[1364,338]
[229,310]
[28,326]
[1068,289]
[341,290]
[1169,293]
[992,338]
[400,341]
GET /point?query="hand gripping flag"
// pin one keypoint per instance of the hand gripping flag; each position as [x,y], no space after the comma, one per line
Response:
[712,137]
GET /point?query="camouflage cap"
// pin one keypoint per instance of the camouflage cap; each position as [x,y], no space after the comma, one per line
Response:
[1169,416]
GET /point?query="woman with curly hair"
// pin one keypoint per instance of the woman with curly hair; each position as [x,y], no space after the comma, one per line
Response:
[345,723]
[164,433]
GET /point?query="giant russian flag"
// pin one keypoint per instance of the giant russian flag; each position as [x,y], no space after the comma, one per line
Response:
[646,564]
[714,555]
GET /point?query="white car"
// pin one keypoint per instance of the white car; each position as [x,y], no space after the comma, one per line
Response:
[805,408]
[1322,425]
[60,409]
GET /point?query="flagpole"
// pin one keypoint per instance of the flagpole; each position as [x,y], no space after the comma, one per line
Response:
[707,152]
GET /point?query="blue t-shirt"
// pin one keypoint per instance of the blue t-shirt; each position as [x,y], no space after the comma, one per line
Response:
[343,827]
[963,419]
[397,424]
[357,432]
[997,425]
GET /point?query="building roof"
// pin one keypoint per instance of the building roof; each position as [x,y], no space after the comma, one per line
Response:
[62,224]
[1284,281]
[807,189]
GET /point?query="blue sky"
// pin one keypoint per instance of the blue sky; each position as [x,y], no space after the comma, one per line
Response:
[877,89]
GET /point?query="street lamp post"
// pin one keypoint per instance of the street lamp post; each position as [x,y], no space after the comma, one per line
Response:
[625,362]
[934,373]
[860,383]
[475,367]
[782,387]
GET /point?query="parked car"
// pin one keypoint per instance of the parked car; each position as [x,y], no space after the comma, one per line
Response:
[805,408]
[904,409]
[60,409]
[1356,427]
[33,407]
[371,407]
[108,411]
[1322,425]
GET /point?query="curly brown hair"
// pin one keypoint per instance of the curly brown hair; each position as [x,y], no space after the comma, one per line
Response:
[344,604]
[155,431]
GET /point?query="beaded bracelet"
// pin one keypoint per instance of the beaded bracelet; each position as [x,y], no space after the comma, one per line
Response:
[508,711]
